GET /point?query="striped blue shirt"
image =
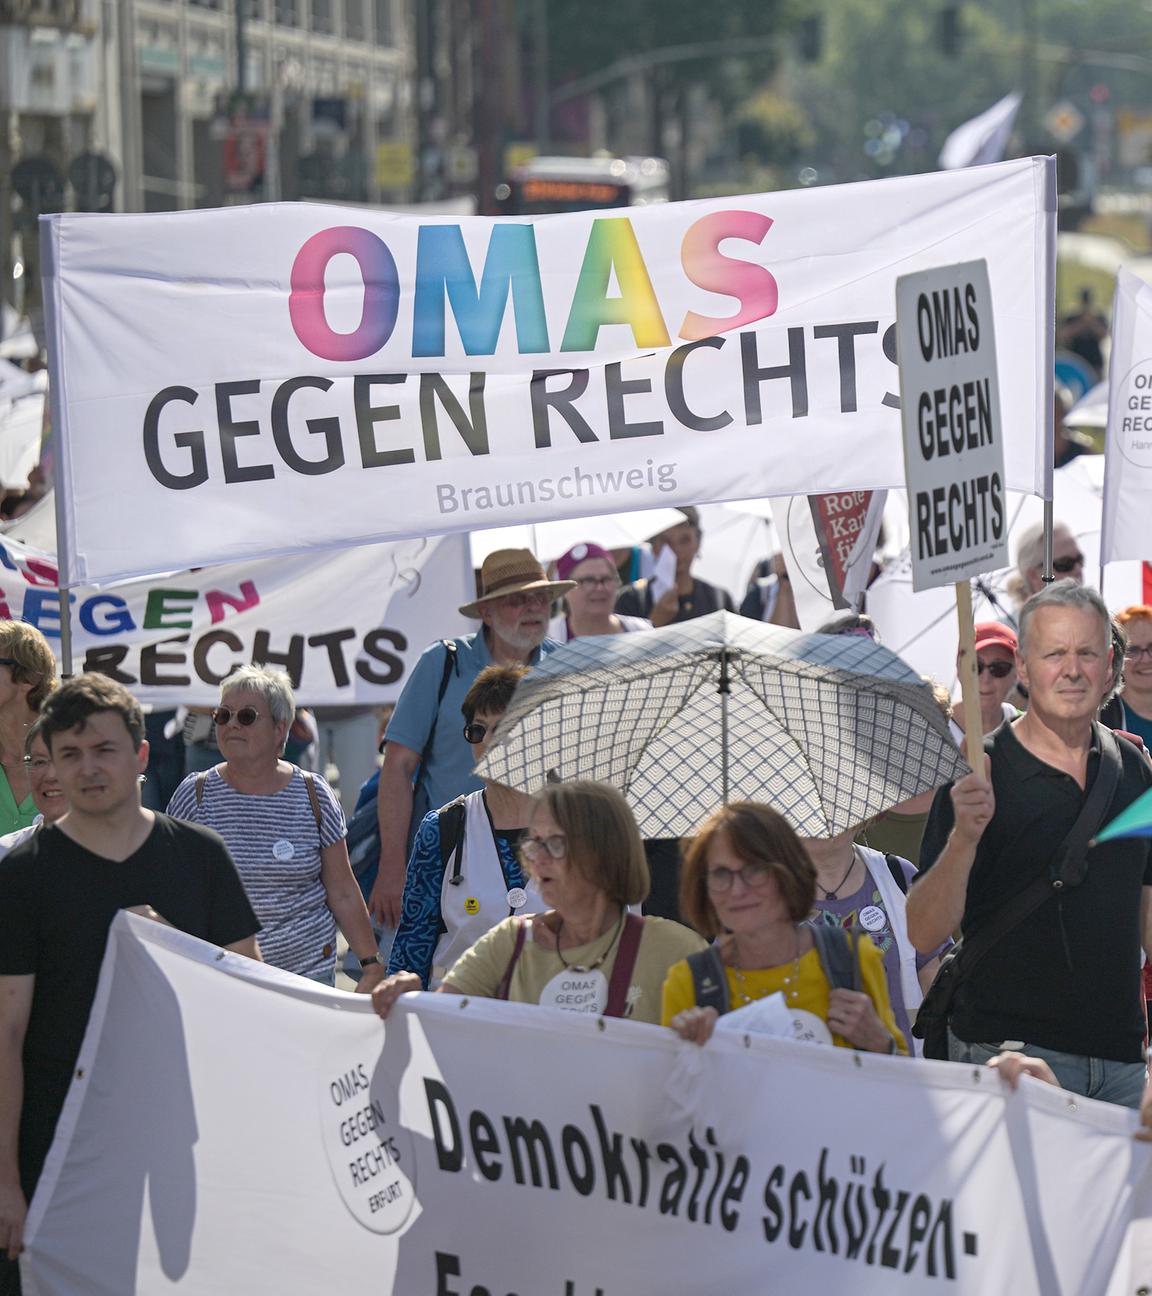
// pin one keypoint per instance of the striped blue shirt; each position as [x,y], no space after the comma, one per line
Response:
[276,844]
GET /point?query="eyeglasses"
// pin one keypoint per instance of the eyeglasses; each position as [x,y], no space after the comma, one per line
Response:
[246,716]
[475,732]
[1068,563]
[10,662]
[35,764]
[752,875]
[590,583]
[997,669]
[535,848]
[1134,652]
[525,598]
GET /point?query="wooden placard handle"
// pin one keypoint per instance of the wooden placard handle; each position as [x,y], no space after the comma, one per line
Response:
[969,687]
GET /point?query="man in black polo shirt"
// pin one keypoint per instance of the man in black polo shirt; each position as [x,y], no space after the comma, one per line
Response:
[1064,984]
[60,891]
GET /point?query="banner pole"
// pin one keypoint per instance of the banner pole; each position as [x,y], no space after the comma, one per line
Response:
[1048,576]
[969,687]
[65,632]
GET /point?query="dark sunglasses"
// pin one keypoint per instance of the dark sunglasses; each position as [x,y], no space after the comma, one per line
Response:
[997,669]
[474,732]
[1070,563]
[246,716]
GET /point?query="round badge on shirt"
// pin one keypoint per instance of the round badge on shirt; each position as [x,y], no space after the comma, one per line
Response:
[808,1028]
[517,898]
[873,918]
[471,905]
[283,849]
[582,992]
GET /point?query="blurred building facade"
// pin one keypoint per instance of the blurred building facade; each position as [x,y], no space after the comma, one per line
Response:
[172,104]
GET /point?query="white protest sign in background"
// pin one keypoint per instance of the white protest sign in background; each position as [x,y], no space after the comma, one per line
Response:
[403,376]
[953,433]
[235,1129]
[348,627]
[1128,446]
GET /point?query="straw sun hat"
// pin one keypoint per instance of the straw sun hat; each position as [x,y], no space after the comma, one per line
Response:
[510,571]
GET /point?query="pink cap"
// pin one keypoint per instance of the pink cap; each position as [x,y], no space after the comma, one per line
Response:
[576,555]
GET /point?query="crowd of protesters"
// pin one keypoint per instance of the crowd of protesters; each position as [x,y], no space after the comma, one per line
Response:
[547,897]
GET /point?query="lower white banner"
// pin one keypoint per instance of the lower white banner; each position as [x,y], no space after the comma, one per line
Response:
[234,1129]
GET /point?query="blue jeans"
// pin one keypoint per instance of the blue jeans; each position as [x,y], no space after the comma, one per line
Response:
[1100,1078]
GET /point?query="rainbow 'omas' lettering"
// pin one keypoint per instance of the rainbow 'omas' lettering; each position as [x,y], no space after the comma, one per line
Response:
[444,275]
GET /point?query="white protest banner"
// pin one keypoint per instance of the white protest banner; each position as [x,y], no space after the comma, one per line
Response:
[347,627]
[982,139]
[374,376]
[953,433]
[234,1129]
[1128,448]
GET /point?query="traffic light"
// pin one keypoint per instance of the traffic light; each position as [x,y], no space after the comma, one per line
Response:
[811,33]
[950,31]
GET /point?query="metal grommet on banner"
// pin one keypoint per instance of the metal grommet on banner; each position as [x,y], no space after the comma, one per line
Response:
[857,1059]
[600,1024]
[1143,1291]
[220,955]
[463,1003]
[747,1041]
[1072,1105]
[976,1073]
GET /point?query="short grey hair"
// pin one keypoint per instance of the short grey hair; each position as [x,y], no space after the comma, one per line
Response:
[1119,656]
[274,687]
[1030,550]
[1069,594]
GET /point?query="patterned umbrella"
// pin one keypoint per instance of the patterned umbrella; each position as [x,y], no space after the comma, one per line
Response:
[827,729]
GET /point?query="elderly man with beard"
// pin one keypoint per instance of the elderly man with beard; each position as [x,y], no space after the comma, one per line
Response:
[1006,858]
[425,763]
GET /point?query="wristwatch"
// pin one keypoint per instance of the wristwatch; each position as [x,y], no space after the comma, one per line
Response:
[372,958]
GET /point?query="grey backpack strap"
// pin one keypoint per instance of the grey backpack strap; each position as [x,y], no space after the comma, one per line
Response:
[838,949]
[709,979]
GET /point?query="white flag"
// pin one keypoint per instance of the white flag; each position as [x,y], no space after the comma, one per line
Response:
[1128,447]
[982,139]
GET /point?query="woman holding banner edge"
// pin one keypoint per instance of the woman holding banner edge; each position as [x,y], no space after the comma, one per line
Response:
[587,953]
[748,881]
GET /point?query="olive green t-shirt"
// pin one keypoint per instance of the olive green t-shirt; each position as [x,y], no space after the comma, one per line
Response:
[541,977]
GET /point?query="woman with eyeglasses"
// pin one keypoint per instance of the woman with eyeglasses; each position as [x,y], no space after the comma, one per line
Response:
[748,881]
[1131,708]
[285,830]
[587,953]
[588,609]
[464,873]
[27,676]
[47,795]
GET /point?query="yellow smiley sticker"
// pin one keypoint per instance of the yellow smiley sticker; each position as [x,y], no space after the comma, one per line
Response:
[471,905]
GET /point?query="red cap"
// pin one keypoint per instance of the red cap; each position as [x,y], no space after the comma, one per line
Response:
[995,634]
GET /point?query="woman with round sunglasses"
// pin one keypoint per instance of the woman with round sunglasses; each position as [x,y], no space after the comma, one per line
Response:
[587,953]
[996,647]
[464,874]
[588,608]
[285,830]
[748,881]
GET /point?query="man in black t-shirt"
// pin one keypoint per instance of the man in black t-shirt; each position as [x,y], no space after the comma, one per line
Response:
[1064,984]
[59,893]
